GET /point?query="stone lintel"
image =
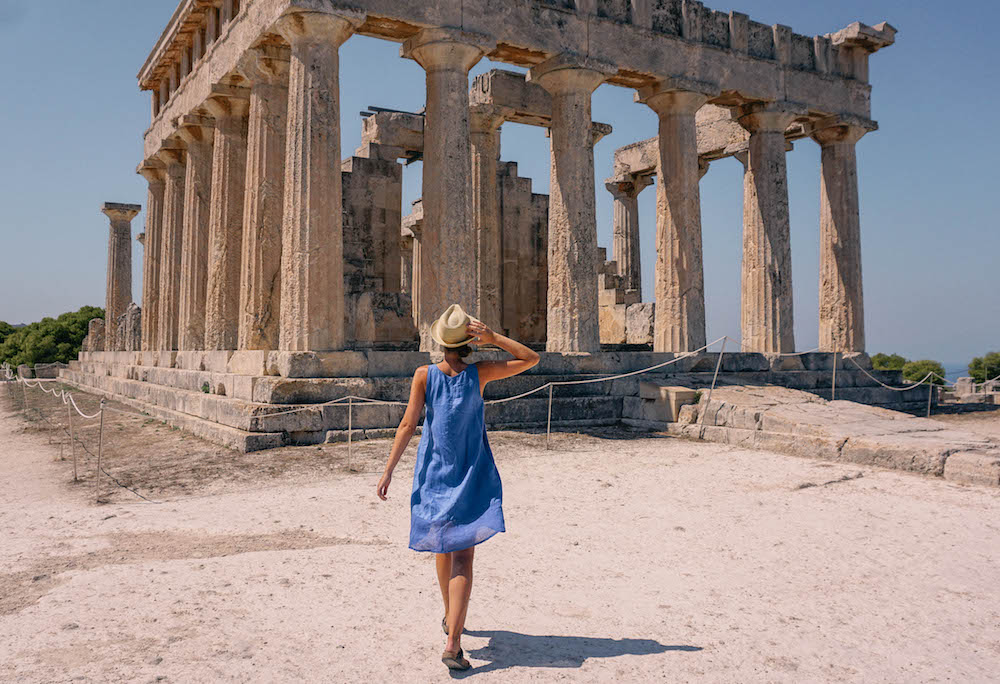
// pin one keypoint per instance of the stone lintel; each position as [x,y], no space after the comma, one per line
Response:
[870,38]
[117,211]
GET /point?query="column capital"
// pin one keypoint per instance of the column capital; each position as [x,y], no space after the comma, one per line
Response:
[768,116]
[310,26]
[267,64]
[599,131]
[443,48]
[152,170]
[172,156]
[228,101]
[141,239]
[628,186]
[120,212]
[570,73]
[192,128]
[676,95]
[487,118]
[835,130]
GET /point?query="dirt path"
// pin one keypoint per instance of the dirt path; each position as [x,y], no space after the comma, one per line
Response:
[648,559]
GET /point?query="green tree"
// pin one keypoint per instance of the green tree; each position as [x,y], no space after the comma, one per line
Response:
[6,329]
[983,368]
[50,340]
[887,362]
[915,371]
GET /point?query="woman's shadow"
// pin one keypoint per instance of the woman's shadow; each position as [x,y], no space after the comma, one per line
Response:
[511,649]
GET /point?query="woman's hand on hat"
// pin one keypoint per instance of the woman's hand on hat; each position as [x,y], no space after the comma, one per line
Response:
[482,332]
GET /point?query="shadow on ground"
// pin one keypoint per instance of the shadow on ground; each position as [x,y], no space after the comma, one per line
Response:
[512,649]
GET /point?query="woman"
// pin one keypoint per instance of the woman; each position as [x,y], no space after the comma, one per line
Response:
[456,500]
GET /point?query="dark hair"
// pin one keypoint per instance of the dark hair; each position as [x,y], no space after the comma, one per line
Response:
[462,351]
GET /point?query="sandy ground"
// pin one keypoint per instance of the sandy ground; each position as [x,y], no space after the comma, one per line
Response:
[984,422]
[646,559]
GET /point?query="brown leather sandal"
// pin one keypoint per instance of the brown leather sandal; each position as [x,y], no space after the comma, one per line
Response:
[455,660]
[444,624]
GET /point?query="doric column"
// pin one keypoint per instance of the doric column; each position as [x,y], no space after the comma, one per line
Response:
[153,172]
[572,317]
[260,271]
[841,296]
[225,224]
[679,280]
[406,262]
[766,312]
[312,269]
[625,233]
[484,126]
[119,284]
[170,247]
[448,252]
[197,133]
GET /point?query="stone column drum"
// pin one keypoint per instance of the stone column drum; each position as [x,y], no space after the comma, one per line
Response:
[679,282]
[841,296]
[766,298]
[260,271]
[170,248]
[625,231]
[312,269]
[225,224]
[448,250]
[153,172]
[119,281]
[572,319]
[484,127]
[198,134]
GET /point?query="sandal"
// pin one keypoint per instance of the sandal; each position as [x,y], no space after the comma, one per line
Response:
[455,660]
[444,624]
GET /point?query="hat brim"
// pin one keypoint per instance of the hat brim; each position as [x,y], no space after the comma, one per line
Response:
[436,336]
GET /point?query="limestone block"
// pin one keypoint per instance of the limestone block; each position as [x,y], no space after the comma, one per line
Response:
[381,317]
[972,467]
[95,335]
[248,362]
[965,386]
[25,371]
[639,319]
[317,364]
[612,320]
[664,402]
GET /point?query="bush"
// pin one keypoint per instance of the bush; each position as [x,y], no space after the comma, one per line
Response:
[888,362]
[915,371]
[983,368]
[50,340]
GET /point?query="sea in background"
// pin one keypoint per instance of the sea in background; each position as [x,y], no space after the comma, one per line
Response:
[954,371]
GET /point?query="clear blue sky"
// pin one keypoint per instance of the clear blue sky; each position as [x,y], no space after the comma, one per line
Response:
[73,119]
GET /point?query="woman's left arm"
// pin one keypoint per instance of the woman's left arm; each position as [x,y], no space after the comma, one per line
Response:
[407,427]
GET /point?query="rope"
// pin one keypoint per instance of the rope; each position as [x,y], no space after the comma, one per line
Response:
[895,389]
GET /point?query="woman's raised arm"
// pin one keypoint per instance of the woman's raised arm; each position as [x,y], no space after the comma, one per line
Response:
[524,358]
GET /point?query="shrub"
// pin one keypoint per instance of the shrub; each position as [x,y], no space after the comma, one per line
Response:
[50,340]
[987,367]
[915,371]
[887,362]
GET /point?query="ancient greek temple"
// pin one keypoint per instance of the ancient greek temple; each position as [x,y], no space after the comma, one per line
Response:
[268,253]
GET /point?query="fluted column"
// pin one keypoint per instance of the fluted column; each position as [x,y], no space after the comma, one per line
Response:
[198,134]
[448,252]
[153,172]
[260,271]
[841,295]
[766,312]
[174,160]
[225,224]
[572,316]
[679,280]
[119,281]
[625,232]
[484,125]
[312,269]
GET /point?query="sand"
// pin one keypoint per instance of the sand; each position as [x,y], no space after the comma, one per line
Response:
[627,558]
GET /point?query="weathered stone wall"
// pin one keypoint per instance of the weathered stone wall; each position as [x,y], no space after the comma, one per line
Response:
[524,242]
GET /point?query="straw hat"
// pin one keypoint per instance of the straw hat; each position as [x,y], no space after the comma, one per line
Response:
[450,329]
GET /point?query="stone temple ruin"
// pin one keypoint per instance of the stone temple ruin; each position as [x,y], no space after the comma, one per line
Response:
[279,274]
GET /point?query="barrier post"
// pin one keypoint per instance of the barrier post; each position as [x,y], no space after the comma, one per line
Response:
[100,453]
[833,386]
[24,399]
[72,438]
[548,424]
[930,393]
[350,431]
[718,365]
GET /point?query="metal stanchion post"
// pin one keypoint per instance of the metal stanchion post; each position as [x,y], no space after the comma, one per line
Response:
[24,399]
[833,387]
[72,438]
[350,426]
[100,453]
[708,400]
[930,394]
[548,425]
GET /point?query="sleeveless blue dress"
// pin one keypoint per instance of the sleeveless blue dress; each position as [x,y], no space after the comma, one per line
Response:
[456,500]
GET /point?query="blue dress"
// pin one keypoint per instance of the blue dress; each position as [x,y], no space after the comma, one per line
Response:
[456,500]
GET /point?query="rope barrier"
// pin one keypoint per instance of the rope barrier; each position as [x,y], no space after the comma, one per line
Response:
[895,389]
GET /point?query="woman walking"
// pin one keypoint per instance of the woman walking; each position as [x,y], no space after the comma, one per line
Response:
[456,499]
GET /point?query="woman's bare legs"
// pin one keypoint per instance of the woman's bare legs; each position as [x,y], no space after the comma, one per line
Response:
[459,590]
[444,576]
